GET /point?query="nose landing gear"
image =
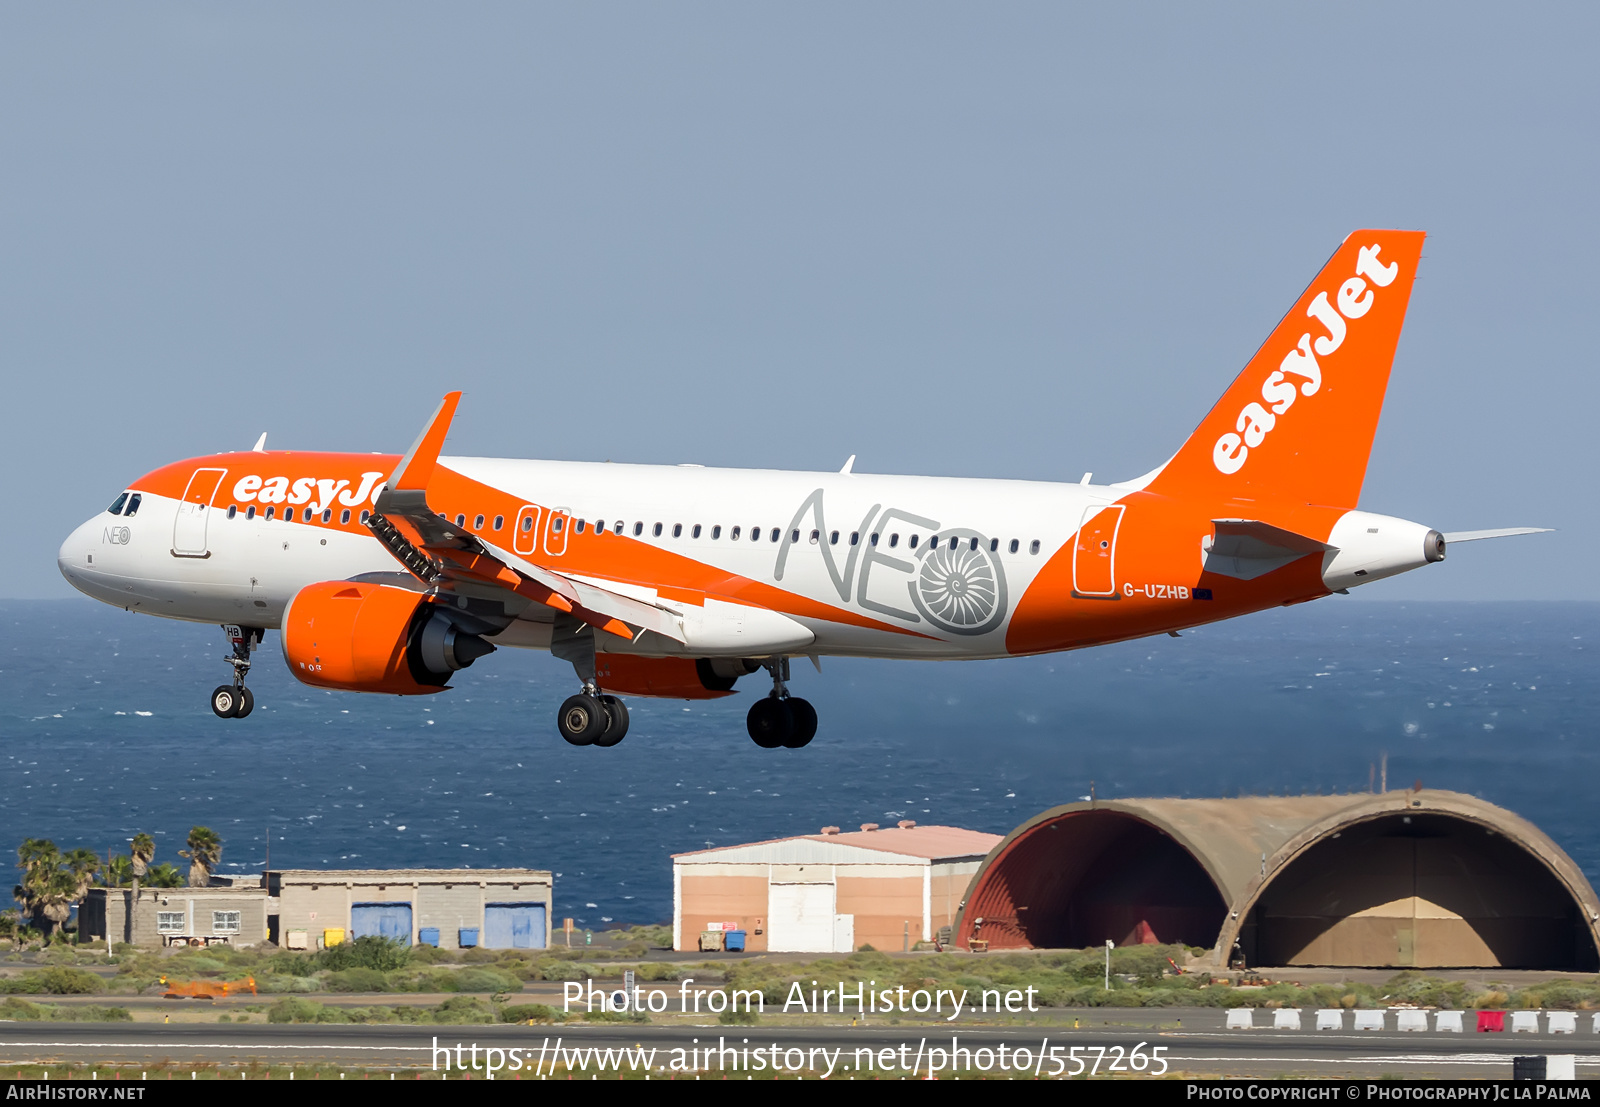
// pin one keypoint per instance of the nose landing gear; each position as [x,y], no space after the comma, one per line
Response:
[235,701]
[781,720]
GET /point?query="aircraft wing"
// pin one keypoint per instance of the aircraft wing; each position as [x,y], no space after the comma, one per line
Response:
[1504,532]
[439,553]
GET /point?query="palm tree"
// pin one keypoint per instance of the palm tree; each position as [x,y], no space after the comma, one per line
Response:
[164,875]
[203,854]
[52,881]
[141,851]
[118,870]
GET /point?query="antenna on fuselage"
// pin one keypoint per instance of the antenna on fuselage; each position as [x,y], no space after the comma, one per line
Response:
[848,465]
[261,444]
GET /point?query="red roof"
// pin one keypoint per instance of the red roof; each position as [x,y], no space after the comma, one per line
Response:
[917,841]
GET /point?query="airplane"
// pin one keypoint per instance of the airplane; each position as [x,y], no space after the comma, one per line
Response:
[391,574]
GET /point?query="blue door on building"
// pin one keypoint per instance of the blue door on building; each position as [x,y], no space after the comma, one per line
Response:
[387,920]
[513,926]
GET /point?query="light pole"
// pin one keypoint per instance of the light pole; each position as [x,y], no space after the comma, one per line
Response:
[1110,945]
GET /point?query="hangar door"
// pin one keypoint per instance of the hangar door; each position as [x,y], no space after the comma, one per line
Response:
[385,920]
[800,918]
[513,926]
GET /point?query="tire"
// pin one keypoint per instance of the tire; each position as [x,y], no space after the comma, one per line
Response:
[582,719]
[770,722]
[805,723]
[247,703]
[225,701]
[616,721]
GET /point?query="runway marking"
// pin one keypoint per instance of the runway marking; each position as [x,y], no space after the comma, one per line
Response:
[207,1045]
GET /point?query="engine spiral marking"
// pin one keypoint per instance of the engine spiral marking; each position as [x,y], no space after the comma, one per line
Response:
[961,590]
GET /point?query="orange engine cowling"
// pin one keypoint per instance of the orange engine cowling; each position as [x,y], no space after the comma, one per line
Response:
[373,638]
[678,678]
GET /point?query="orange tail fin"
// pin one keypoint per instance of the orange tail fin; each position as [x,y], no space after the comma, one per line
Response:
[1297,425]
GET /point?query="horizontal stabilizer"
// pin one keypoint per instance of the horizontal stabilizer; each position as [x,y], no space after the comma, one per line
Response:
[1248,548]
[1455,536]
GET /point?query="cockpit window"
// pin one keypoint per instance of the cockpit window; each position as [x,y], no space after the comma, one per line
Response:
[133,506]
[118,504]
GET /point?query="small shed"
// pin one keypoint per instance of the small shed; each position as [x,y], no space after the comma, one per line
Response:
[828,892]
[233,915]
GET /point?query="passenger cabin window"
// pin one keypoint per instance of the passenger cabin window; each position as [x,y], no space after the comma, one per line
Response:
[365,515]
[1033,547]
[477,523]
[733,535]
[233,510]
[855,538]
[695,533]
[461,520]
[677,530]
[344,516]
[716,532]
[250,512]
[994,545]
[118,504]
[500,521]
[816,536]
[773,537]
[755,534]
[557,523]
[327,515]
[638,529]
[894,540]
[581,524]
[527,523]
[288,515]
[1015,545]
[913,542]
[270,512]
[656,530]
[618,528]
[133,506]
[599,526]
[873,539]
[833,538]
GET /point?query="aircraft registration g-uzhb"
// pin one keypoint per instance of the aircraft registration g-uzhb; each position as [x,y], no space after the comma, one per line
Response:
[390,574]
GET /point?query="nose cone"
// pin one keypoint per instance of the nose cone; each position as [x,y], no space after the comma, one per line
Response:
[75,558]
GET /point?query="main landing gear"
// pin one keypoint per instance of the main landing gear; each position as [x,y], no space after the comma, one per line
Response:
[781,719]
[235,701]
[592,718]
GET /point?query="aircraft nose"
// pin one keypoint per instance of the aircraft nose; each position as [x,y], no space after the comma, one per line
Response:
[74,557]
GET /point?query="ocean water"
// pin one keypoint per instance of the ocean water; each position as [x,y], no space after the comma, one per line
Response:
[105,731]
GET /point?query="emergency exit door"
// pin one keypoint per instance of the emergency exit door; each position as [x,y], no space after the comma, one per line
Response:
[1094,558]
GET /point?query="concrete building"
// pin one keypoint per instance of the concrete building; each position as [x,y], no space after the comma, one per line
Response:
[313,908]
[1396,880]
[176,916]
[828,892]
[448,908]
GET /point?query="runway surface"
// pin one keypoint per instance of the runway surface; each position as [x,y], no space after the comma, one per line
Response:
[1189,1041]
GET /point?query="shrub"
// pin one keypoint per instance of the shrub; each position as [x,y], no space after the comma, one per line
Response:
[367,952]
[356,980]
[530,1012]
[294,1010]
[62,981]
[274,985]
[484,980]
[739,1017]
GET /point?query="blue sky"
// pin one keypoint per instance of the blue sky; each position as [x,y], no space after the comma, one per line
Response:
[998,240]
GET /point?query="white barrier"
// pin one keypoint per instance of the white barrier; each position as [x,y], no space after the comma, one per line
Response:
[1595,1022]
[1561,1066]
[1369,1020]
[1286,1018]
[1524,1022]
[1563,1022]
[1411,1020]
[1448,1022]
[1239,1019]
[1330,1018]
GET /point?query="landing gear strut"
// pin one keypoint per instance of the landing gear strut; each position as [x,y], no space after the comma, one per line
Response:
[235,701]
[590,718]
[781,719]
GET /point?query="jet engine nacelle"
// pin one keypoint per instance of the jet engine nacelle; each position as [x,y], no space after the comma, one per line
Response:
[677,678]
[373,638]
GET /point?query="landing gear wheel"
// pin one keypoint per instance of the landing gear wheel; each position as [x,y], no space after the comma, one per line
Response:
[247,702]
[805,723]
[582,719]
[770,722]
[616,721]
[225,701]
